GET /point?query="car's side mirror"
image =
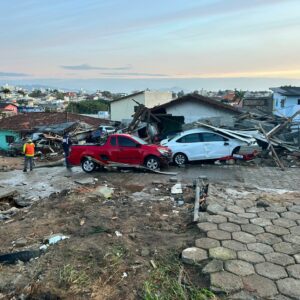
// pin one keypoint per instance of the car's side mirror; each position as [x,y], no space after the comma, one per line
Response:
[226,143]
[138,145]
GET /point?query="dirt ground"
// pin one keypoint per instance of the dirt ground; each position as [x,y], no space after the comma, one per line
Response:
[124,247]
[95,263]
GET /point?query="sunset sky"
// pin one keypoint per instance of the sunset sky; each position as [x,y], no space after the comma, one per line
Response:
[81,40]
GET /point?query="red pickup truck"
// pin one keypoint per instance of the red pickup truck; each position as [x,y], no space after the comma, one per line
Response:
[120,148]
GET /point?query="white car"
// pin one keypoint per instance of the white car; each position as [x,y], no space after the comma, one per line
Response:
[202,144]
[107,129]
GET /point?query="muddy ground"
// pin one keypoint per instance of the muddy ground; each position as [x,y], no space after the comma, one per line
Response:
[124,247]
[95,263]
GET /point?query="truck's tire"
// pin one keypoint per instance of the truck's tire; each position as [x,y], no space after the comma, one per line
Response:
[88,165]
[152,162]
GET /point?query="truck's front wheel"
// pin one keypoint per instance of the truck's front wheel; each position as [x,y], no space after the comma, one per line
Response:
[152,163]
[88,165]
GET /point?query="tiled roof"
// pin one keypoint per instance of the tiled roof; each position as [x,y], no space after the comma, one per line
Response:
[128,96]
[199,99]
[287,90]
[28,121]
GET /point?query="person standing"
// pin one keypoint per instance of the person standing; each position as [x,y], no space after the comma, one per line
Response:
[28,150]
[66,147]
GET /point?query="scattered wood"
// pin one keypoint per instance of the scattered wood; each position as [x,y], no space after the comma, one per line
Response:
[275,156]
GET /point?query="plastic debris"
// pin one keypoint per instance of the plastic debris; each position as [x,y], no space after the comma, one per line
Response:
[118,233]
[176,189]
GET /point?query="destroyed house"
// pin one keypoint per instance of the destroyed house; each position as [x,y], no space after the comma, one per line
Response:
[194,107]
[258,104]
[123,108]
[14,128]
[286,101]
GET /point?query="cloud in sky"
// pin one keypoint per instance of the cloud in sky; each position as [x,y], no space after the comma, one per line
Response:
[86,67]
[151,39]
[134,74]
[13,74]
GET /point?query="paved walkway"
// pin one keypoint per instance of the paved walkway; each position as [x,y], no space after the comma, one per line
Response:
[251,249]
[261,177]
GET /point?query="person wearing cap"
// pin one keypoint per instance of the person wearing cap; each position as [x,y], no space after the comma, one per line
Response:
[28,150]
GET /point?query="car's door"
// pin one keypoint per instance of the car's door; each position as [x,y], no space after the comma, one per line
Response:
[215,145]
[191,145]
[129,151]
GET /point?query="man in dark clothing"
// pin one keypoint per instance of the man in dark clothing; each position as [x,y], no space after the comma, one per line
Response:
[66,146]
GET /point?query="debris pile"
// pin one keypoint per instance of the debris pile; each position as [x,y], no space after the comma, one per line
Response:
[277,137]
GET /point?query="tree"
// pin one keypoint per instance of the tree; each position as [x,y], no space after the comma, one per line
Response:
[21,92]
[87,107]
[238,95]
[5,91]
[180,94]
[36,94]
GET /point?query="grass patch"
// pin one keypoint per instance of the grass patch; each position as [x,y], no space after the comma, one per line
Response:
[99,229]
[69,276]
[169,281]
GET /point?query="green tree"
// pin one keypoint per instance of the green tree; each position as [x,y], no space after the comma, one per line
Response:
[87,107]
[5,91]
[36,94]
[21,92]
[238,95]
[107,94]
[180,94]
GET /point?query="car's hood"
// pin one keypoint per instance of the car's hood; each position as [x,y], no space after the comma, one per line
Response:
[153,146]
[164,142]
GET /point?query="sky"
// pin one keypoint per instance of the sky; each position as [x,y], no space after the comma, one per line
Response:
[124,45]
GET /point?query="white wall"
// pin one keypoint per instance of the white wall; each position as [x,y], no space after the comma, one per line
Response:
[290,105]
[193,111]
[154,98]
[124,109]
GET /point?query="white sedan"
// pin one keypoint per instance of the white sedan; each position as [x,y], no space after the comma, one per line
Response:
[202,144]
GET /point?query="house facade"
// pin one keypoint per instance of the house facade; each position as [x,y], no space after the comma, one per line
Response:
[7,137]
[8,109]
[195,107]
[286,101]
[123,108]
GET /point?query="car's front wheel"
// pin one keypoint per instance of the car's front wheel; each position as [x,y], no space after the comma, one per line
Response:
[88,165]
[152,163]
[180,159]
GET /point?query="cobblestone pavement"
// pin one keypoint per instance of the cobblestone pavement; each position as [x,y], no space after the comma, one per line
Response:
[251,248]
[261,177]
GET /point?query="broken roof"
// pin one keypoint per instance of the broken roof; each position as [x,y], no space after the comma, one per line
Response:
[199,99]
[287,90]
[128,96]
[31,120]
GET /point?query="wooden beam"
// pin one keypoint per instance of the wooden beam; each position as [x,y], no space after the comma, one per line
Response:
[275,156]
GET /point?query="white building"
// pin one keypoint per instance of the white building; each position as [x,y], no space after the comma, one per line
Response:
[195,107]
[286,101]
[123,108]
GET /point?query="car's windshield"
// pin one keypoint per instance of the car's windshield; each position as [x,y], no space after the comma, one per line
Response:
[139,140]
[174,137]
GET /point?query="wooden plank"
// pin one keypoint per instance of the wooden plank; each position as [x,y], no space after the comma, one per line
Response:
[197,201]
[275,156]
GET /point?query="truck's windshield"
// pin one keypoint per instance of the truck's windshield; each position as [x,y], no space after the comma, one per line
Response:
[139,140]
